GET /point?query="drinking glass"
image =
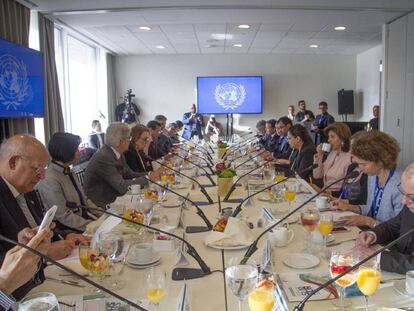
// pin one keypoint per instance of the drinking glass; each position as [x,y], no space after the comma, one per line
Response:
[368,280]
[112,243]
[290,194]
[268,174]
[309,219]
[98,263]
[155,286]
[241,278]
[340,262]
[83,256]
[39,302]
[325,227]
[279,176]
[263,298]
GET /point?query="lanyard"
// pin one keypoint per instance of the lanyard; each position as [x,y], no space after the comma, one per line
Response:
[378,193]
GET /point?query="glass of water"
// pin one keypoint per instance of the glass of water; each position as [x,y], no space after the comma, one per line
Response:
[112,243]
[39,302]
[241,278]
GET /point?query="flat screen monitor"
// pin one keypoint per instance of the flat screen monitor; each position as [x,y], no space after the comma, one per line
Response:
[232,94]
[21,81]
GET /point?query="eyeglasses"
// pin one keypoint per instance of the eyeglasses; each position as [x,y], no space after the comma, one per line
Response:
[410,198]
[40,170]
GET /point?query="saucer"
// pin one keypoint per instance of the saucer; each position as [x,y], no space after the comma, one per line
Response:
[399,287]
[171,203]
[143,266]
[135,262]
[301,261]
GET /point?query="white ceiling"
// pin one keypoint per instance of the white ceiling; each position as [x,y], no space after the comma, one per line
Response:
[210,27]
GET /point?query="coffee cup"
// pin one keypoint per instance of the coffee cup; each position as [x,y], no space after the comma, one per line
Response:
[409,282]
[326,147]
[281,236]
[142,252]
[321,202]
[135,189]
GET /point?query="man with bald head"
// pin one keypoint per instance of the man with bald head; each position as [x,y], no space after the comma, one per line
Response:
[400,258]
[23,162]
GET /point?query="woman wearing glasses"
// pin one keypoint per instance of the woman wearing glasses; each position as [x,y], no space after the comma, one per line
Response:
[376,154]
[137,155]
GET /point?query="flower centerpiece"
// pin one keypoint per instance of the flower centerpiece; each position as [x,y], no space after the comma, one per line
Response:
[221,148]
[225,176]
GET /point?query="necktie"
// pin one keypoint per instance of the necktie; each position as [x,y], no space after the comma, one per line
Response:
[25,209]
[75,185]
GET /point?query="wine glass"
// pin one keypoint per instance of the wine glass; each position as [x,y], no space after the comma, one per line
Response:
[325,227]
[83,256]
[340,262]
[262,298]
[368,280]
[279,176]
[290,194]
[155,286]
[112,243]
[309,219]
[98,263]
[241,278]
[39,302]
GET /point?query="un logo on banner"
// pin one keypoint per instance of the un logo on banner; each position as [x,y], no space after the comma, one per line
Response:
[14,84]
[230,95]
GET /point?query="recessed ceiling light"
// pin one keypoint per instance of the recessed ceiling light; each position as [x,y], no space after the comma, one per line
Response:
[210,46]
[160,47]
[313,46]
[244,26]
[145,28]
[222,36]
[340,28]
[238,45]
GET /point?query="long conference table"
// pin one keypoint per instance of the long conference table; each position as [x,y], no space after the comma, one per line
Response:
[210,292]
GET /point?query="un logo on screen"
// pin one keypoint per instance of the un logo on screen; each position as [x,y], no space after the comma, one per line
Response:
[14,84]
[230,95]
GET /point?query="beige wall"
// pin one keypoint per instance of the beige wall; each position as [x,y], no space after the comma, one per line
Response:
[166,84]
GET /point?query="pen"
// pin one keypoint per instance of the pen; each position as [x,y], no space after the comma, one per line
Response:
[61,237]
[310,180]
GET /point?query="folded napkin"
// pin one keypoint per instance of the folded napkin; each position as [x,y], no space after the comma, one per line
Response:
[236,234]
[183,301]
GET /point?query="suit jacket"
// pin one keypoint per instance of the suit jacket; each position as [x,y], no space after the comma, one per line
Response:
[322,121]
[193,126]
[164,144]
[400,258]
[132,158]
[153,151]
[106,177]
[272,143]
[93,140]
[283,150]
[12,220]
[302,159]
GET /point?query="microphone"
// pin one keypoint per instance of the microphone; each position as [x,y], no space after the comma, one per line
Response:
[248,160]
[199,146]
[54,262]
[238,146]
[189,229]
[200,167]
[178,274]
[240,156]
[301,305]
[202,189]
[233,187]
[239,207]
[253,247]
[194,154]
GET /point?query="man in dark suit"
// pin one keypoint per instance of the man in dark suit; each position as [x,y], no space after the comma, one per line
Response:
[272,139]
[155,131]
[400,258]
[321,122]
[283,150]
[23,161]
[193,123]
[107,175]
[96,139]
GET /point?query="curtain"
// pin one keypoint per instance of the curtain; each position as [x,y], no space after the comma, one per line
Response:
[53,119]
[112,98]
[14,27]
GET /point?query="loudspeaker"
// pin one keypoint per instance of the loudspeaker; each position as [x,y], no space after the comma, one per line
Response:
[345,102]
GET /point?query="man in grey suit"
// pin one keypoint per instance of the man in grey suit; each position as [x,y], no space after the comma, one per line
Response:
[107,175]
[400,258]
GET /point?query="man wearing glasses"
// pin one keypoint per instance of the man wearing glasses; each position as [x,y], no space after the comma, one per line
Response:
[400,258]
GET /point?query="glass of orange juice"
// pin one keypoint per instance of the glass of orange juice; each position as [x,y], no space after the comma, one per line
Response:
[262,298]
[290,194]
[155,286]
[368,280]
[325,227]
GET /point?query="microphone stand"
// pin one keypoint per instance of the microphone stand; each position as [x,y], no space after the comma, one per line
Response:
[85,279]
[253,247]
[178,274]
[203,191]
[233,187]
[199,166]
[238,146]
[189,229]
[208,161]
[259,154]
[198,146]
[301,305]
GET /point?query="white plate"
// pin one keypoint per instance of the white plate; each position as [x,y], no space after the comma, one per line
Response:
[264,198]
[301,261]
[235,247]
[155,257]
[171,203]
[399,287]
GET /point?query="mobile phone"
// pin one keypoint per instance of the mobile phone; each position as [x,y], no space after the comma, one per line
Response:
[48,218]
[340,229]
